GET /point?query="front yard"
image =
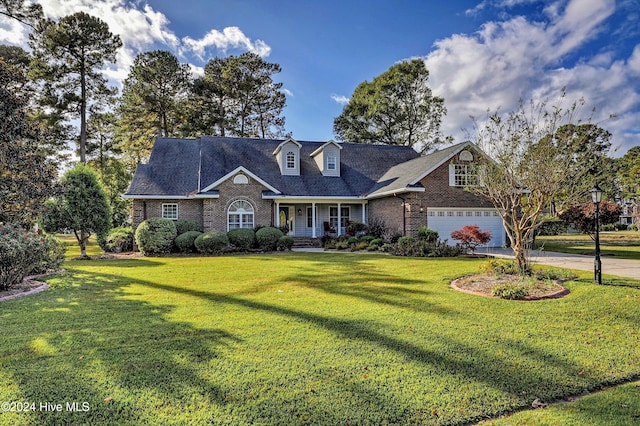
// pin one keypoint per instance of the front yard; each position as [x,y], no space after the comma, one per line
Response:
[304,338]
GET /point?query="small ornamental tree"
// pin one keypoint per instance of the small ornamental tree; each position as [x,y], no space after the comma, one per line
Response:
[582,216]
[470,237]
[82,207]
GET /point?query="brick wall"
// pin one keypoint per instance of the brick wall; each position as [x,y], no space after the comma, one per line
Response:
[187,209]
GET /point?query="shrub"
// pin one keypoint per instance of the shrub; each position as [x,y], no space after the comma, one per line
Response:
[367,238]
[355,228]
[376,242]
[23,253]
[405,245]
[511,291]
[352,240]
[242,238]
[118,240]
[428,234]
[409,246]
[268,238]
[285,243]
[470,237]
[377,227]
[186,225]
[211,242]
[156,235]
[185,242]
[360,245]
[499,267]
[552,226]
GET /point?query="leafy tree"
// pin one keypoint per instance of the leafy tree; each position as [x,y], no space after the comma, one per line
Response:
[582,216]
[68,57]
[82,207]
[629,174]
[529,169]
[27,176]
[396,108]
[22,11]
[237,96]
[470,237]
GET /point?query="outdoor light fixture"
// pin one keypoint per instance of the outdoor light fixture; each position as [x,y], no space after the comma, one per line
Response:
[596,197]
[299,212]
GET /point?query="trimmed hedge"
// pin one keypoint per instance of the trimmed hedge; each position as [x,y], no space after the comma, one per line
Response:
[285,243]
[242,238]
[185,242]
[186,225]
[268,238]
[156,235]
[211,242]
[118,240]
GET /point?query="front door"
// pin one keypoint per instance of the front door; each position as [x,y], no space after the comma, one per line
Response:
[287,218]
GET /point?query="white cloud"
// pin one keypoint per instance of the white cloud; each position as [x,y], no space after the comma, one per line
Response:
[287,92]
[340,99]
[230,37]
[517,59]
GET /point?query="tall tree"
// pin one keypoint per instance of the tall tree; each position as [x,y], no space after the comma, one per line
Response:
[237,96]
[153,101]
[22,11]
[68,57]
[533,165]
[82,207]
[27,176]
[396,108]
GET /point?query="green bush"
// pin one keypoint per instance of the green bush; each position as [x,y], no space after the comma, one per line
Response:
[285,243]
[499,267]
[377,228]
[511,291]
[185,242]
[367,238]
[405,245]
[352,240]
[376,242]
[268,238]
[354,228]
[211,242]
[156,235]
[552,226]
[23,253]
[118,240]
[428,234]
[242,238]
[409,246]
[186,225]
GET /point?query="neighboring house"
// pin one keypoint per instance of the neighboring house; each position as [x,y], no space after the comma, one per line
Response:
[313,187]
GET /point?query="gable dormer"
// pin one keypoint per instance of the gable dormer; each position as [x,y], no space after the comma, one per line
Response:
[327,158]
[288,157]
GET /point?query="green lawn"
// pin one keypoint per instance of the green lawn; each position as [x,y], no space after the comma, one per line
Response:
[304,338]
[622,244]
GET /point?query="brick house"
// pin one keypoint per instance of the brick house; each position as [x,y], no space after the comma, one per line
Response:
[313,187]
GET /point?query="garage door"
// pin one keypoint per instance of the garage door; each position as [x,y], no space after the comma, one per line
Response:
[447,220]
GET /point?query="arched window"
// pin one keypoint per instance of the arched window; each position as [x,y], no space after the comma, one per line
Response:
[291,160]
[240,215]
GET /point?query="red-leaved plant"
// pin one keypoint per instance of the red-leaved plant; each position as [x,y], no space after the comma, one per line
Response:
[470,237]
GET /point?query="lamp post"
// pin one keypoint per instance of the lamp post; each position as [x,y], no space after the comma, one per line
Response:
[596,197]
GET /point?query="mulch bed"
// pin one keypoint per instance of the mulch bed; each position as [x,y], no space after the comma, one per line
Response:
[483,284]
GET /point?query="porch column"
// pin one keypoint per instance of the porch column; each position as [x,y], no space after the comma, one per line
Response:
[277,214]
[364,216]
[339,219]
[313,220]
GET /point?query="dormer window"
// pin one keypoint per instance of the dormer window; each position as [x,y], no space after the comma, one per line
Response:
[331,162]
[291,160]
[327,158]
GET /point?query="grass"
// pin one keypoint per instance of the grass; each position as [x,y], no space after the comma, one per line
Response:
[304,338]
[621,244]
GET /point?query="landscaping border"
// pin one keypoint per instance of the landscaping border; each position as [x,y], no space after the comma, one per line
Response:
[555,295]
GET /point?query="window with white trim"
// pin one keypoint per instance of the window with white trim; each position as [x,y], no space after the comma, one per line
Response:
[240,215]
[331,162]
[463,175]
[291,160]
[170,211]
[344,217]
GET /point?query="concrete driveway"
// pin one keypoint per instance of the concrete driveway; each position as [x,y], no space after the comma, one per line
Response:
[612,266]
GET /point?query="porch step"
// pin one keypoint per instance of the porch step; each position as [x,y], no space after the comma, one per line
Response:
[304,242]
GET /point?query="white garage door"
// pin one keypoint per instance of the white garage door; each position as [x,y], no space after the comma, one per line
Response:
[447,220]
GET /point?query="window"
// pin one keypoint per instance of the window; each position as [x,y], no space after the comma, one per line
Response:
[291,160]
[331,162]
[309,217]
[240,215]
[170,211]
[464,175]
[241,179]
[344,217]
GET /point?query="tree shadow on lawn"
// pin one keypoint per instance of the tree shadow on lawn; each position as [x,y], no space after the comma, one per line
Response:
[463,362]
[121,356]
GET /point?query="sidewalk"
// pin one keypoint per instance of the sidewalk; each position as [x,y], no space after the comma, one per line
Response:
[621,267]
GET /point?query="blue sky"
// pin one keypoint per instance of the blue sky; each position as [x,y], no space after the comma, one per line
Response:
[481,54]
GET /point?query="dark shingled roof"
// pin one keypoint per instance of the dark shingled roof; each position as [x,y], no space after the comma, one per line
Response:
[181,167]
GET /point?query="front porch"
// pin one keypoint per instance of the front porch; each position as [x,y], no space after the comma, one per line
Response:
[315,219]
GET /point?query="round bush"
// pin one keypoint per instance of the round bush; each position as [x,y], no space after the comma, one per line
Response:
[186,225]
[268,238]
[285,243]
[211,242]
[156,235]
[118,240]
[242,238]
[427,234]
[185,242]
